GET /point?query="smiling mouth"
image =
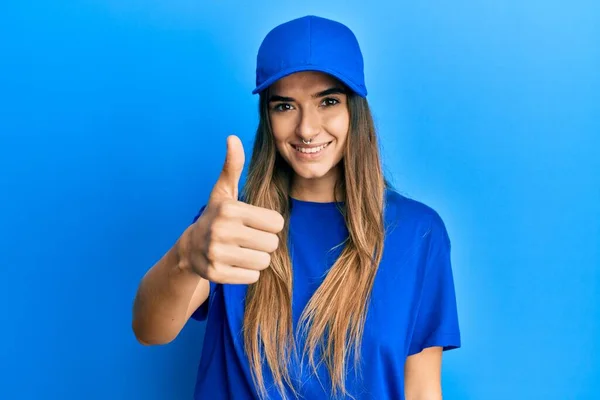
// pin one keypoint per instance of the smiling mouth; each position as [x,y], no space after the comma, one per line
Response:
[310,150]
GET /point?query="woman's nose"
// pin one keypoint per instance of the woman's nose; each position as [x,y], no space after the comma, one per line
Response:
[309,124]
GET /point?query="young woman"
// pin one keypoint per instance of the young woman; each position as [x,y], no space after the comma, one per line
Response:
[319,281]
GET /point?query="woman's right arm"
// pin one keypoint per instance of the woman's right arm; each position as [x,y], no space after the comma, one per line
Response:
[168,295]
[230,243]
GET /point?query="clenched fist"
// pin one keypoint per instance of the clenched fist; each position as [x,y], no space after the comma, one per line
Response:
[232,241]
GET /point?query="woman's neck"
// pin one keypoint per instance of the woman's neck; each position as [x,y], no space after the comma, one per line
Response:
[319,190]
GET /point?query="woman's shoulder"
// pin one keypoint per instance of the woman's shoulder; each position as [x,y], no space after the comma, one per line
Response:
[401,206]
[412,214]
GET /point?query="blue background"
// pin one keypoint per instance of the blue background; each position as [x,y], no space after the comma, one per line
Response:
[113,119]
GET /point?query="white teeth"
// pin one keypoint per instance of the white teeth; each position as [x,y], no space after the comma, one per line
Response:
[311,150]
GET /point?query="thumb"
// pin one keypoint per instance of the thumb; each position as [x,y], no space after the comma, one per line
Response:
[228,182]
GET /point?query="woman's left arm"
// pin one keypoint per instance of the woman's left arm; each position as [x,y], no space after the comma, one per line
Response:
[422,375]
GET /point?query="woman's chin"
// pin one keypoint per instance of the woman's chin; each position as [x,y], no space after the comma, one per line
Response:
[312,172]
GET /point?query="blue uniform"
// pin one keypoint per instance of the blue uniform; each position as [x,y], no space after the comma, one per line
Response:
[413,304]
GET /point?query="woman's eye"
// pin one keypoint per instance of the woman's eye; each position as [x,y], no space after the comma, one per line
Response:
[282,107]
[330,101]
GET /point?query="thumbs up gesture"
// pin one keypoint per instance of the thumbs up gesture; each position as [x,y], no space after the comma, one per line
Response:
[232,241]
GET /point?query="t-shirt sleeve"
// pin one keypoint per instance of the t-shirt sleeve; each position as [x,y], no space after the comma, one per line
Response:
[202,312]
[437,316]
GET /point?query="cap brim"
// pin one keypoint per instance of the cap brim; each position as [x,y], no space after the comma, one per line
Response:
[358,89]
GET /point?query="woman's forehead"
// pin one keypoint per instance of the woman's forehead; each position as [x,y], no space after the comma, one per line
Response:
[309,81]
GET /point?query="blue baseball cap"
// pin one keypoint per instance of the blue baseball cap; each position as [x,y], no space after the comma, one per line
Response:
[310,43]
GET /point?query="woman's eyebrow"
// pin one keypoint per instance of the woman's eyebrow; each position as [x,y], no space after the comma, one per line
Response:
[330,91]
[326,92]
[279,98]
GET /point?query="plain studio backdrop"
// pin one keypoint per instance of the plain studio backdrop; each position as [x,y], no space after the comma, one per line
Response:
[113,119]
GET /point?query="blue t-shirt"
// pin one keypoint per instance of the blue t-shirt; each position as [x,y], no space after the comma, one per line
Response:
[413,304]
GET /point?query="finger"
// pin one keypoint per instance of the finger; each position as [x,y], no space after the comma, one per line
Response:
[261,218]
[255,239]
[227,185]
[228,274]
[244,258]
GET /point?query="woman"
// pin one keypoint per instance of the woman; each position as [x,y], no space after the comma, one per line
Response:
[323,282]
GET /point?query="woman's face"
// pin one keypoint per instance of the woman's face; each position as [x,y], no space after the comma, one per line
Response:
[310,106]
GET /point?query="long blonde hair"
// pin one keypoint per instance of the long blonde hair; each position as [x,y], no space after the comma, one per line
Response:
[333,320]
